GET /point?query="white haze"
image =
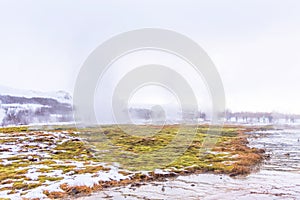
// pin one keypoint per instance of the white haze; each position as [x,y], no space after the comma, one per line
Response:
[255,44]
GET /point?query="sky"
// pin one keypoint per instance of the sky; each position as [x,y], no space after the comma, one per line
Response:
[254,44]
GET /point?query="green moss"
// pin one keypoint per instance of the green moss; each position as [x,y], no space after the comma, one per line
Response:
[47,162]
[44,178]
[135,150]
[10,172]
[64,168]
[91,169]
[25,186]
[72,150]
[13,129]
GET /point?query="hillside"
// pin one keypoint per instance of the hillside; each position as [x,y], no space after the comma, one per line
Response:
[21,107]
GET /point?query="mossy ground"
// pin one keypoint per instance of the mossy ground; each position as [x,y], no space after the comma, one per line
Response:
[66,149]
[230,145]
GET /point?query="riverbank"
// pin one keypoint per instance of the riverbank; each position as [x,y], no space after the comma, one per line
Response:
[278,177]
[59,163]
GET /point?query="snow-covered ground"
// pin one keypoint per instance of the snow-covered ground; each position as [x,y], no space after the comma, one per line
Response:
[36,164]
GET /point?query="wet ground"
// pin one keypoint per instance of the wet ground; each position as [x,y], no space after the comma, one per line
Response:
[277,178]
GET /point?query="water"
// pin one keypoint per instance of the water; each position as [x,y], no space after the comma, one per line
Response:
[278,177]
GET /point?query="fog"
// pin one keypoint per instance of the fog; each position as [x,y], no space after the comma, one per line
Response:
[254,44]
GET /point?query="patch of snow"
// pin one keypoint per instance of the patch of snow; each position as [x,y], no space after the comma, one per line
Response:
[53,187]
[6,162]
[113,174]
[6,185]
[33,174]
[54,173]
[83,180]
[4,194]
[35,193]
[159,171]
[13,150]
[40,166]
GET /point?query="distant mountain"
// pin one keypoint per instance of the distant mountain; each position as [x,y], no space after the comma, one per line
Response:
[60,96]
[22,107]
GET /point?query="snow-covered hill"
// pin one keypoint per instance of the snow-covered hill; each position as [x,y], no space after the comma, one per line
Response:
[60,96]
[22,107]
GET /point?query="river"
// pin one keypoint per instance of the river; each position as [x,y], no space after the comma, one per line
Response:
[277,178]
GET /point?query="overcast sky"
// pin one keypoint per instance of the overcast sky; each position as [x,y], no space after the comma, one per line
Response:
[255,44]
